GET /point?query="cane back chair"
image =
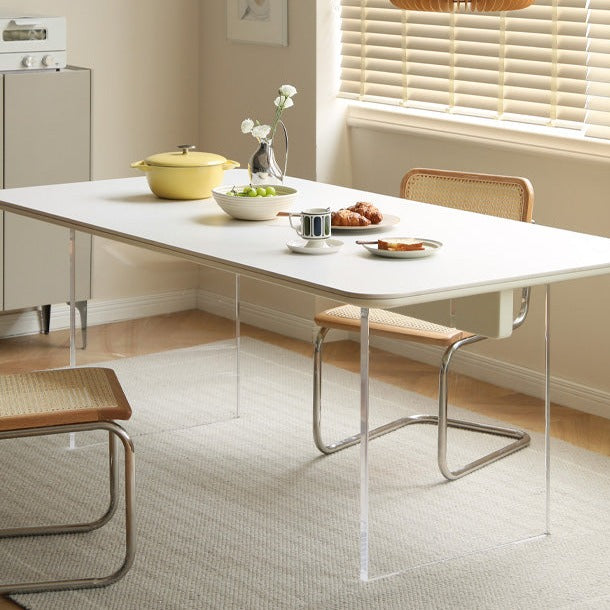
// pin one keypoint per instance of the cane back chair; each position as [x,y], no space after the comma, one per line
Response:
[503,196]
[71,400]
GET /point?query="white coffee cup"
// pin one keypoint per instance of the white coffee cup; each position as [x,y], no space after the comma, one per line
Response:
[315,225]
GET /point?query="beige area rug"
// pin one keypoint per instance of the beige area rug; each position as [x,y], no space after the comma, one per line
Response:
[245,513]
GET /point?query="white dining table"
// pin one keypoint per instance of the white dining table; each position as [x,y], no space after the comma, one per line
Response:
[483,259]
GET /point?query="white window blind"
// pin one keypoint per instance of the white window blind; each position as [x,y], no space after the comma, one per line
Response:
[548,64]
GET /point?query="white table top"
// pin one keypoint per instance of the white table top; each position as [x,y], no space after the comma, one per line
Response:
[479,254]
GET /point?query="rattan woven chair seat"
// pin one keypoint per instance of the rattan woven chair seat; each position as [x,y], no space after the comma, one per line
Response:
[383,322]
[63,396]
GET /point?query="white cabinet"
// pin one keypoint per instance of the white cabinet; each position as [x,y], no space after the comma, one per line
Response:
[46,140]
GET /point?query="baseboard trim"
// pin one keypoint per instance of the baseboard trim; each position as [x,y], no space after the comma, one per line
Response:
[506,375]
[276,321]
[103,311]
[99,311]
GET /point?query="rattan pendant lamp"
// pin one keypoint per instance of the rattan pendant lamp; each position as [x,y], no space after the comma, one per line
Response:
[449,6]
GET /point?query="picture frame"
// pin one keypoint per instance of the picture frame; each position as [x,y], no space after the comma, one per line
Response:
[258,21]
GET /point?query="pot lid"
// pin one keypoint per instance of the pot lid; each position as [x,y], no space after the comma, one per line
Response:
[186,157]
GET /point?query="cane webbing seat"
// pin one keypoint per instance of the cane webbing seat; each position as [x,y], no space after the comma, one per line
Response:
[49,398]
[389,324]
[66,401]
[503,196]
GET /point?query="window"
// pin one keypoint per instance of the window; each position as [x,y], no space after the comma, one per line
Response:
[548,64]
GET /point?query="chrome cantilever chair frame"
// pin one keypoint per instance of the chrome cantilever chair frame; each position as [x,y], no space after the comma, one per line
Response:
[442,421]
[116,433]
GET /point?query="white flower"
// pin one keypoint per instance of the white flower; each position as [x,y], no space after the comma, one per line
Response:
[261,131]
[287,90]
[266,132]
[247,125]
[283,102]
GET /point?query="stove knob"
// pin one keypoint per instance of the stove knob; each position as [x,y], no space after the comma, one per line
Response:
[49,61]
[27,61]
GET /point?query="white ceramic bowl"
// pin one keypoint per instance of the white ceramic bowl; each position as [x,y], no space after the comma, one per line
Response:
[255,208]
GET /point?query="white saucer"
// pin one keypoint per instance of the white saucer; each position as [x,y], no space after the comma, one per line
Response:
[311,247]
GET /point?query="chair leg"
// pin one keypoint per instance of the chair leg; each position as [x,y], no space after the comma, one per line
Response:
[522,438]
[441,420]
[317,409]
[116,433]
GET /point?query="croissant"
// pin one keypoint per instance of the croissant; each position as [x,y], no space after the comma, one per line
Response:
[347,218]
[368,210]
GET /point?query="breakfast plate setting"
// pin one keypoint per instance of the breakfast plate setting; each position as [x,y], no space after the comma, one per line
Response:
[402,247]
[363,216]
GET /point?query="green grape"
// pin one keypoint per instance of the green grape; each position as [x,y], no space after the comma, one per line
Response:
[252,193]
[270,191]
[262,191]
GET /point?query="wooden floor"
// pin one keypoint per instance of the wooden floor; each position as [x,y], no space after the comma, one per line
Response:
[159,333]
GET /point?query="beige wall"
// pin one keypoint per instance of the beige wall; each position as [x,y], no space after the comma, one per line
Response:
[145,63]
[240,80]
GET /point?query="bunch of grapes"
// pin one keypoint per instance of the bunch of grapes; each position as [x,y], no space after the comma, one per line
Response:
[253,191]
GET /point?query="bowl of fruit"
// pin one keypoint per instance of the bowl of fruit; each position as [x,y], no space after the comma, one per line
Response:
[260,202]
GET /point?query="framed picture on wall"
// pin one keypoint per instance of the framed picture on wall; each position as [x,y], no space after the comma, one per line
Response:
[258,21]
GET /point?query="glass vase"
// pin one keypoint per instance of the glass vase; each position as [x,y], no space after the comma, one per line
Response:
[263,167]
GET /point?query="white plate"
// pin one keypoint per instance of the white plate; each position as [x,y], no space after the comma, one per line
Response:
[388,221]
[430,247]
[301,247]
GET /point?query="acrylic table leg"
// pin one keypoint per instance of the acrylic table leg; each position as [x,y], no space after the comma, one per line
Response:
[364,443]
[72,298]
[547,405]
[72,440]
[237,347]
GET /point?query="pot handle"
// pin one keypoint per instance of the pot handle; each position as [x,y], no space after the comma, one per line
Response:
[230,164]
[141,165]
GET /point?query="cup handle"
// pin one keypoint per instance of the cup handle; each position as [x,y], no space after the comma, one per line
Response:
[290,215]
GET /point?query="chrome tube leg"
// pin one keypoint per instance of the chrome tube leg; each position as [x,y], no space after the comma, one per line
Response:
[364,443]
[117,432]
[547,406]
[130,508]
[317,390]
[522,439]
[237,347]
[442,412]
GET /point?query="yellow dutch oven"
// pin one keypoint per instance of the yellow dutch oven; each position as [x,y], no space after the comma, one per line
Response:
[184,174]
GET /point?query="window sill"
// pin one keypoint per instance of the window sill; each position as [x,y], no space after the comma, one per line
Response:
[511,135]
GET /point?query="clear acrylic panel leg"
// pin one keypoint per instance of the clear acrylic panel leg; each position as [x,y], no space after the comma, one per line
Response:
[411,515]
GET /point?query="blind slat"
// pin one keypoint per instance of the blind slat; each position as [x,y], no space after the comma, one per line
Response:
[548,63]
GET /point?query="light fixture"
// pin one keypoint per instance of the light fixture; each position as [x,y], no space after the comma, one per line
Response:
[450,6]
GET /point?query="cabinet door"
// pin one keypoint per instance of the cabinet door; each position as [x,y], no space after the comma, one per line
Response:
[37,269]
[1,213]
[47,140]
